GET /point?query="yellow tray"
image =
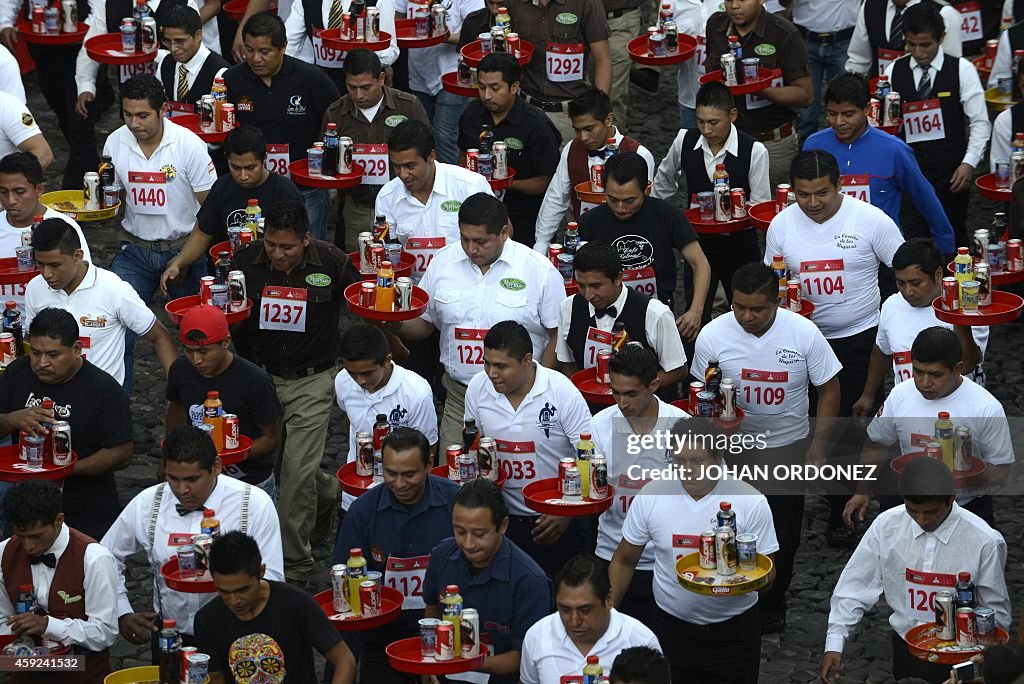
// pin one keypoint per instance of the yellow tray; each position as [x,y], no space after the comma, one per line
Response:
[997,101]
[72,203]
[136,675]
[699,580]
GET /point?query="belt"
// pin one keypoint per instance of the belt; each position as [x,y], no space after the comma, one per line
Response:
[545,106]
[826,38]
[615,14]
[299,373]
[153,245]
[783,131]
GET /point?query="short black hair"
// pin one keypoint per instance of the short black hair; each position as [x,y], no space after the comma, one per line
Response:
[482,209]
[182,17]
[245,140]
[812,165]
[502,62]
[850,88]
[57,324]
[698,433]
[265,25]
[287,215]
[640,665]
[361,61]
[756,278]
[189,444]
[55,233]
[635,360]
[924,17]
[511,338]
[625,167]
[364,342]
[403,439]
[23,163]
[482,493]
[598,257]
[937,345]
[716,95]
[920,252]
[582,569]
[412,135]
[926,479]
[144,87]
[1004,663]
[32,502]
[235,552]
[591,101]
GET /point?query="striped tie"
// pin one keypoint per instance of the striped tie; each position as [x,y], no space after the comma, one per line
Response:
[897,41]
[182,82]
[334,19]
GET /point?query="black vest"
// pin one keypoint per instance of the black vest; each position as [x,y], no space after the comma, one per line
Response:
[1016,119]
[120,9]
[1018,10]
[693,166]
[633,316]
[1015,36]
[936,157]
[202,83]
[874,23]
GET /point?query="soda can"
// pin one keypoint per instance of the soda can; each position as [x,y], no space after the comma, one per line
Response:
[746,551]
[500,152]
[725,551]
[197,667]
[969,295]
[487,454]
[186,651]
[463,72]
[207,114]
[445,644]
[485,164]
[467,467]
[950,294]
[129,34]
[26,257]
[219,297]
[706,205]
[554,249]
[985,623]
[485,42]
[202,544]
[1014,255]
[428,637]
[565,266]
[513,43]
[996,257]
[187,561]
[933,450]
[750,69]
[231,433]
[572,484]
[696,387]
[729,70]
[91,188]
[61,433]
[205,289]
[439,19]
[363,241]
[237,296]
[372,30]
[874,112]
[403,294]
[369,598]
[339,589]
[656,44]
[451,455]
[882,88]
[472,155]
[603,357]
[980,244]
[739,203]
[983,274]
[470,632]
[1002,172]
[1004,83]
[782,191]
[111,196]
[945,621]
[69,16]
[393,252]
[421,15]
[966,628]
[705,404]
[563,465]
[598,477]
[728,391]
[8,349]
[892,109]
[38,20]
[227,116]
[793,297]
[33,448]
[377,255]
[149,36]
[51,19]
[671,37]
[708,559]
[597,177]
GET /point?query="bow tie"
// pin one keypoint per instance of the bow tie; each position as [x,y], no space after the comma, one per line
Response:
[610,311]
[597,154]
[48,559]
[185,511]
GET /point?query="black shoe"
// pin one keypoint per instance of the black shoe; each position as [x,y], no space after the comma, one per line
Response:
[841,538]
[774,626]
[645,79]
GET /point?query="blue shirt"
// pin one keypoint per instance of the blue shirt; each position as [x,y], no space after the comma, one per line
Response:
[511,594]
[893,170]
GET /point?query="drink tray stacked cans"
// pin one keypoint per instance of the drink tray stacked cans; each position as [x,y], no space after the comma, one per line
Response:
[28,33]
[32,460]
[13,274]
[545,496]
[594,391]
[176,308]
[726,563]
[354,484]
[1003,260]
[473,52]
[71,203]
[443,471]
[655,49]
[189,582]
[409,37]
[702,224]
[1005,307]
[408,307]
[406,655]
[707,581]
[192,123]
[402,270]
[108,49]
[299,170]
[345,620]
[966,473]
[235,9]
[749,85]
[958,633]
[451,83]
[332,39]
[147,674]
[990,186]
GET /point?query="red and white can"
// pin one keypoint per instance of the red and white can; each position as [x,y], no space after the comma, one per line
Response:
[933,450]
[38,20]
[205,291]
[603,357]
[227,116]
[445,642]
[451,457]
[966,628]
[597,177]
[739,203]
[369,598]
[950,294]
[186,651]
[874,111]
[368,294]
[512,41]
[377,255]
[564,465]
[8,349]
[472,156]
[1014,255]
[782,191]
[230,423]
[696,387]
[554,249]
[793,297]
[708,558]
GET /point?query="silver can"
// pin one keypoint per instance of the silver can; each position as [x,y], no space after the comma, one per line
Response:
[32,449]
[729,73]
[372,25]
[485,42]
[403,294]
[438,19]
[981,244]
[149,37]
[750,67]
[202,543]
[91,188]
[219,297]
[565,266]
[69,16]
[500,152]
[996,257]
[746,551]
[61,431]
[671,33]
[727,389]
[892,109]
[393,251]
[237,296]
[363,242]
[725,551]
[467,468]
[498,44]
[945,618]
[470,630]
[486,454]
[962,448]
[344,155]
[598,477]
[428,637]
[1004,83]
[572,485]
[26,237]
[207,114]
[339,589]
[983,274]
[985,618]
[26,257]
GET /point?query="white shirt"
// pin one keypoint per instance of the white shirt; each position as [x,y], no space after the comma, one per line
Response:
[183,157]
[520,285]
[825,16]
[99,630]
[193,65]
[663,514]
[1008,13]
[532,438]
[858,237]
[105,308]
[10,236]
[611,433]
[659,323]
[859,57]
[666,181]
[691,18]
[300,44]
[16,123]
[1003,63]
[560,190]
[211,31]
[548,653]
[791,355]
[429,64]
[1002,139]
[894,544]
[10,76]
[972,99]
[129,535]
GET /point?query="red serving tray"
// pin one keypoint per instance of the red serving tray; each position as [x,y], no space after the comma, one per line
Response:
[332,39]
[390,609]
[585,193]
[727,425]
[499,184]
[405,656]
[571,288]
[191,122]
[472,53]
[987,188]
[593,391]
[894,129]
[176,308]
[1005,307]
[300,174]
[169,571]
[101,48]
[763,81]
[806,308]
[923,644]
[407,38]
[961,478]
[232,456]
[235,9]
[761,214]
[12,468]
[10,275]
[420,298]
[403,270]
[983,69]
[29,36]
[539,494]
[354,484]
[220,247]
[442,471]
[639,53]
[450,82]
[693,216]
[1004,278]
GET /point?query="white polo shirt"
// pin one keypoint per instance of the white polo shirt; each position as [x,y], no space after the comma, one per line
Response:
[668,518]
[520,285]
[691,18]
[105,308]
[614,439]
[533,438]
[837,262]
[10,237]
[16,123]
[10,75]
[160,192]
[423,229]
[772,372]
[548,653]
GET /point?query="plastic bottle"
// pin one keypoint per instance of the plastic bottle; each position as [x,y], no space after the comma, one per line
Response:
[611,148]
[356,574]
[213,410]
[253,214]
[107,171]
[779,266]
[169,654]
[451,606]
[26,599]
[141,11]
[965,594]
[220,97]
[12,323]
[736,50]
[330,163]
[944,436]
[571,241]
[963,265]
[723,200]
[726,516]
[210,524]
[713,377]
[470,438]
[385,300]
[504,20]
[486,138]
[585,449]
[593,673]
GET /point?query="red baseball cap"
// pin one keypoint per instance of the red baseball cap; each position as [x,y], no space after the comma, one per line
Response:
[207,320]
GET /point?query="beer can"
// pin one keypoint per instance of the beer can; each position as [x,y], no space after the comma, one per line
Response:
[186,651]
[32,449]
[237,296]
[69,16]
[995,257]
[61,432]
[500,152]
[966,628]
[363,241]
[372,30]
[439,20]
[25,257]
[111,196]
[696,387]
[149,36]
[1014,255]
[554,249]
[782,191]
[708,559]
[671,37]
[403,294]
[451,455]
[1004,83]
[513,43]
[428,637]
[129,36]
[892,109]
[572,484]
[739,203]
[727,389]
[969,295]
[91,188]
[725,551]
[421,16]
[463,73]
[202,544]
[467,468]
[472,155]
[445,644]
[985,623]
[729,70]
[655,43]
[26,237]
[364,452]
[498,45]
[980,244]
[563,465]
[945,620]
[603,357]
[227,116]
[231,433]
[983,274]
[565,266]
[345,153]
[485,164]
[393,253]
[705,405]
[207,114]
[750,67]
[205,289]
[874,112]
[369,598]
[933,450]
[793,297]
[187,561]
[219,297]
[962,448]
[377,255]
[597,177]
[950,294]
[487,459]
[51,19]
[8,349]
[746,551]
[598,477]
[340,602]
[470,632]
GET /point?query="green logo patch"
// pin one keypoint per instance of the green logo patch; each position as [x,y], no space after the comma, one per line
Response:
[566,18]
[514,143]
[69,598]
[451,205]
[764,49]
[393,121]
[513,284]
[318,279]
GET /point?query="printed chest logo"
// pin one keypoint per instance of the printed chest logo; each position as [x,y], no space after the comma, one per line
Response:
[396,416]
[244,104]
[634,251]
[169,172]
[61,411]
[546,419]
[787,357]
[514,284]
[566,18]
[295,106]
[235,219]
[255,659]
[451,205]
[393,121]
[195,414]
[847,241]
[98,322]
[764,50]
[318,279]
[514,144]
[69,598]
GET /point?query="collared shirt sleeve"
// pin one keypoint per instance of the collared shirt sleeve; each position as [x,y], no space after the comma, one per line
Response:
[100,629]
[1002,139]
[991,582]
[562,351]
[972,99]
[131,310]
[1001,64]
[951,44]
[423,415]
[858,55]
[912,182]
[858,589]
[702,351]
[995,444]
[387,24]
[430,579]
[882,428]
[9,12]
[664,336]
[85,68]
[126,537]
[760,186]
[13,123]
[575,418]
[666,180]
[295,30]
[198,166]
[529,665]
[822,362]
[551,298]
[555,203]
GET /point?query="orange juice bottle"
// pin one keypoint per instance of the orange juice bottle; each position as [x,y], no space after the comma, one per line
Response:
[220,95]
[213,410]
[779,266]
[385,288]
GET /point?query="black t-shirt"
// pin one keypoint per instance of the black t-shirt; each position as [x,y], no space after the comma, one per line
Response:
[246,390]
[645,239]
[276,642]
[97,409]
[225,205]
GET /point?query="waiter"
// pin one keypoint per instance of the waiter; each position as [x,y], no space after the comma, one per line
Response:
[878,38]
[188,67]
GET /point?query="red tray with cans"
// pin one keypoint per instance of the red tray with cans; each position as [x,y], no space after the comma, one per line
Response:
[300,174]
[763,80]
[390,609]
[893,129]
[10,275]
[191,122]
[332,39]
[403,270]
[593,391]
[585,193]
[924,643]
[405,656]
[987,188]
[499,184]
[1005,307]
[176,308]
[407,38]
[961,478]
[472,53]
[543,496]
[202,584]
[219,247]
[712,227]
[232,456]
[420,299]
[235,9]
[106,49]
[26,34]
[571,288]
[450,82]
[761,214]
[1004,278]
[442,471]
[728,424]
[639,52]
[13,469]
[353,484]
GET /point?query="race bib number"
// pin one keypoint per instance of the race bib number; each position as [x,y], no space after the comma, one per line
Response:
[626,490]
[887,57]
[564,62]
[763,392]
[126,71]
[642,280]
[518,462]
[922,121]
[277,159]
[597,340]
[283,308]
[822,281]
[147,192]
[921,588]
[468,350]
[406,575]
[902,369]
[374,159]
[324,56]
[970,21]
[423,250]
[701,54]
[755,101]
[857,185]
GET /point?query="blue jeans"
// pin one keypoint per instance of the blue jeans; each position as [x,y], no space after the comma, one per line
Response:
[826,61]
[318,205]
[444,110]
[687,117]
[141,268]
[270,487]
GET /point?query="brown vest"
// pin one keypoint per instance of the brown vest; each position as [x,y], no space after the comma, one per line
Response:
[69,578]
[579,167]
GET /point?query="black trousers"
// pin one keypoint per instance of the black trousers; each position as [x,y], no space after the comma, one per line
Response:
[552,557]
[727,652]
[906,665]
[725,254]
[954,204]
[638,601]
